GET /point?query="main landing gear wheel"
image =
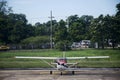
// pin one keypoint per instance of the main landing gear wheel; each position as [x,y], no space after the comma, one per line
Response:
[60,73]
[50,72]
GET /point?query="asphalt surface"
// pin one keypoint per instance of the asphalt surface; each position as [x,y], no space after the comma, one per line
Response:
[43,74]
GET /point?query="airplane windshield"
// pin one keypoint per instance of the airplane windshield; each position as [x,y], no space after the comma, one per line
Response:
[62,60]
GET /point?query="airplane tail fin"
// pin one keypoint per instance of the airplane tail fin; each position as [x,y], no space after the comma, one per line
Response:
[64,55]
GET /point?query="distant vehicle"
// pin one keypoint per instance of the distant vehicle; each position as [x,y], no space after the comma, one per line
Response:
[76,45]
[4,48]
[85,43]
[61,62]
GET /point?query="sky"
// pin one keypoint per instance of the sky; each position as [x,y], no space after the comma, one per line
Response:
[39,10]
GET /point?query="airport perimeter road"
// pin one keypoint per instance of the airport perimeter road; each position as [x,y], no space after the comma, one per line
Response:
[92,74]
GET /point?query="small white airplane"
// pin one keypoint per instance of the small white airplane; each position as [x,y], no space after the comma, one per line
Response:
[61,62]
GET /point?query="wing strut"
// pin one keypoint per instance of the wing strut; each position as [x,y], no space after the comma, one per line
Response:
[48,63]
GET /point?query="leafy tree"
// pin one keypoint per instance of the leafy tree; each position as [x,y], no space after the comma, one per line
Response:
[44,29]
[54,27]
[4,29]
[101,30]
[19,31]
[75,29]
[40,29]
[79,27]
[86,21]
[61,33]
[97,31]
[29,30]
[72,19]
[61,37]
[104,29]
[107,28]
[115,30]
[118,10]
[4,9]
[117,18]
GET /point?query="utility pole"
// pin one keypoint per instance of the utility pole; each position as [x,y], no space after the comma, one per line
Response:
[51,42]
[67,25]
[67,20]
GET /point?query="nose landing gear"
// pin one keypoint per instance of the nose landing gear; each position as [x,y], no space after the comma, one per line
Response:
[50,72]
[73,72]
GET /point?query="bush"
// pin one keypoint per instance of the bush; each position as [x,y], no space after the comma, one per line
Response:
[36,40]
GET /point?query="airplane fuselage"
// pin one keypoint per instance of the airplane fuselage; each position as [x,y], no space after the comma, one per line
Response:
[61,64]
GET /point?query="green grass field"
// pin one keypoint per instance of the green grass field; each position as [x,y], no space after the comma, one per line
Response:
[7,59]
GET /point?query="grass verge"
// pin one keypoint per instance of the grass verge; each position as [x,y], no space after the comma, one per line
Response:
[7,59]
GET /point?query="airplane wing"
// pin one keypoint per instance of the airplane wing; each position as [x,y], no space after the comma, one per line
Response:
[36,57]
[89,57]
[65,57]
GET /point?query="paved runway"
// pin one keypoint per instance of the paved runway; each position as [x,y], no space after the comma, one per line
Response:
[82,74]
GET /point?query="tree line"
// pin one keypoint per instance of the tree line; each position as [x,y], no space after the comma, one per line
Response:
[14,29]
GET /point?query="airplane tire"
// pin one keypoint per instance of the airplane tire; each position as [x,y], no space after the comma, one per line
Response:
[50,72]
[61,73]
[73,72]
